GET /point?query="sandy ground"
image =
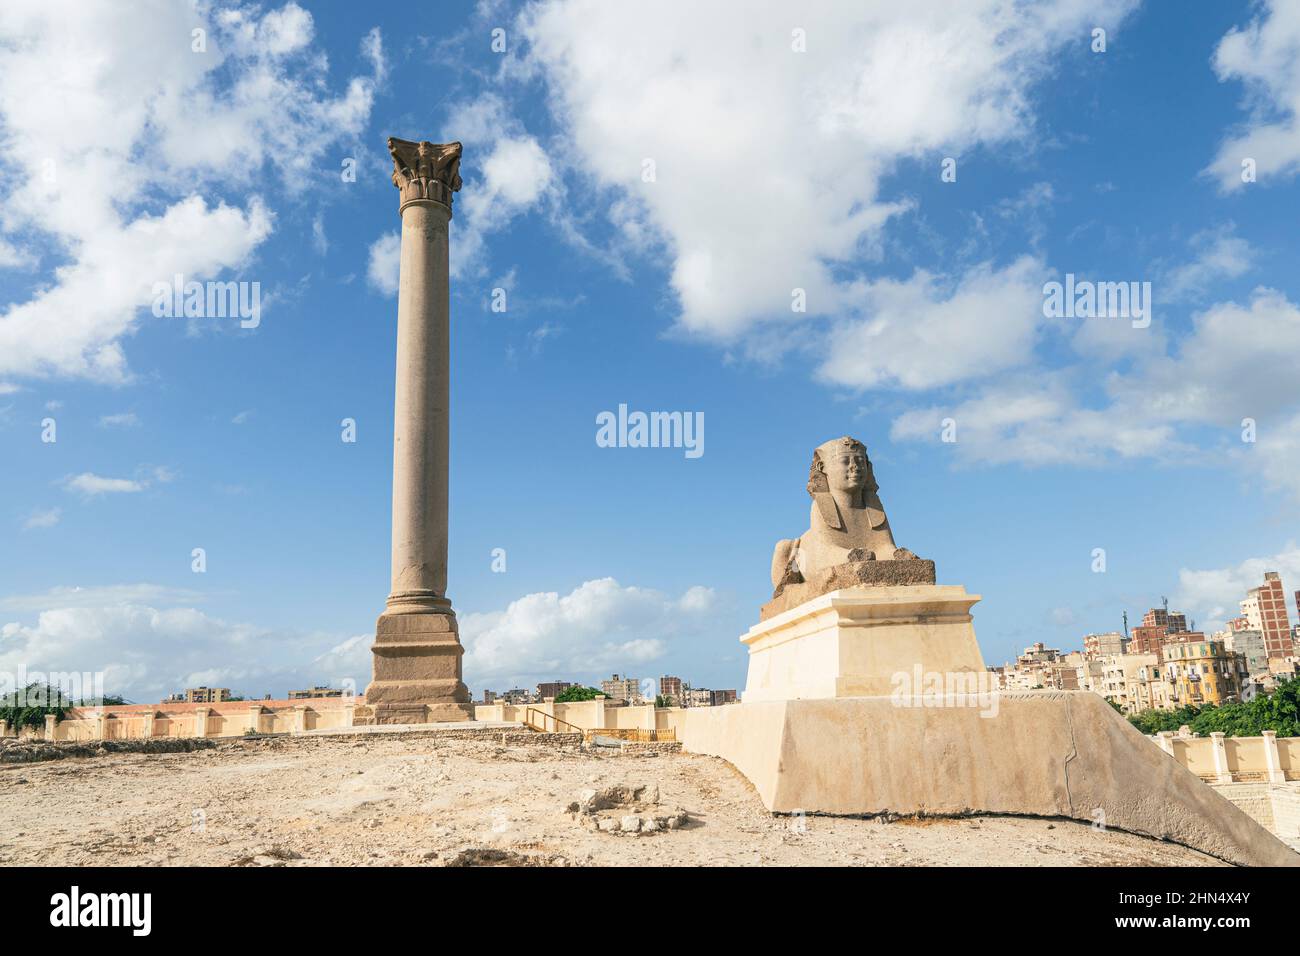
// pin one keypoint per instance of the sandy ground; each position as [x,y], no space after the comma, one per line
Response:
[395,800]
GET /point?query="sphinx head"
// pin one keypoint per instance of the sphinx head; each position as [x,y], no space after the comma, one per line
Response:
[841,465]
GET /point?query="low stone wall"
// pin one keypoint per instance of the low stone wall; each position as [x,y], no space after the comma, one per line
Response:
[528,738]
[1218,759]
[589,715]
[33,750]
[1276,807]
[229,719]
[651,747]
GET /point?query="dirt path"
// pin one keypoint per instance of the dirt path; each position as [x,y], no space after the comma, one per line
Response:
[391,800]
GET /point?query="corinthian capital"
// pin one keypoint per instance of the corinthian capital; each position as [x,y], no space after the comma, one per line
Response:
[425,170]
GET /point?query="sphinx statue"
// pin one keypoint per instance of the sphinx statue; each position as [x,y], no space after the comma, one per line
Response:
[848,542]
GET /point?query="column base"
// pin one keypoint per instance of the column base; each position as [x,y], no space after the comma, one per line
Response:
[395,713]
[417,670]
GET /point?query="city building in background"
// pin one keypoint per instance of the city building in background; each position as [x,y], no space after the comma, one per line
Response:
[670,689]
[315,692]
[1203,672]
[1265,609]
[206,695]
[1103,645]
[626,689]
[549,690]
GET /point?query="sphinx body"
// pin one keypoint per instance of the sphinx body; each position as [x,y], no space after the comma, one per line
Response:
[848,541]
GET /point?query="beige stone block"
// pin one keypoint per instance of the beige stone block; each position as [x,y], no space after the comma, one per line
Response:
[852,642]
[1048,754]
[396,628]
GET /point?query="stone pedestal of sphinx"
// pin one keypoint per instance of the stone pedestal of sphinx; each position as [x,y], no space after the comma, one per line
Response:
[867,694]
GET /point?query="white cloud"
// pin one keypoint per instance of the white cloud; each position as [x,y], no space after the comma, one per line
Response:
[385,260]
[768,162]
[1218,255]
[918,335]
[599,626]
[1237,363]
[1212,596]
[146,652]
[1035,421]
[121,419]
[509,175]
[12,257]
[241,418]
[149,643]
[47,518]
[114,125]
[1276,454]
[319,240]
[78,596]
[1265,57]
[92,485]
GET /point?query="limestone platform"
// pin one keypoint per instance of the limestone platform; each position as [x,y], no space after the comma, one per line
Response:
[1046,754]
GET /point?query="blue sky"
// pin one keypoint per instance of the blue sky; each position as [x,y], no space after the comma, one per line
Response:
[128,156]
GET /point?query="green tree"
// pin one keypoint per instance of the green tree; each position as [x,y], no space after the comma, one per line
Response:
[571,695]
[1153,721]
[28,707]
[1278,711]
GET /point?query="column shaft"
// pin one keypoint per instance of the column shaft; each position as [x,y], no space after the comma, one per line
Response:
[420,421]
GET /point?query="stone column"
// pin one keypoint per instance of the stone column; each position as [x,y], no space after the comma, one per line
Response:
[417,652]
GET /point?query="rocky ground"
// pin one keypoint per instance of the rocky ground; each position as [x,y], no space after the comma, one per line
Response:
[426,801]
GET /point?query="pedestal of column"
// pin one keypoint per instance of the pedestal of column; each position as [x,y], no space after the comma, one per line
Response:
[417,651]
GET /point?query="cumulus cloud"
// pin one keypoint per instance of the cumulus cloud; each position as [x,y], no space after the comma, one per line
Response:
[1217,255]
[918,335]
[385,259]
[767,162]
[1265,57]
[1035,421]
[1212,595]
[511,174]
[1235,364]
[113,125]
[150,641]
[599,626]
[43,518]
[146,652]
[92,485]
[119,420]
